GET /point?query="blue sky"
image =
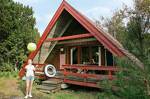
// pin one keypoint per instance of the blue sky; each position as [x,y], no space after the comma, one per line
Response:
[45,9]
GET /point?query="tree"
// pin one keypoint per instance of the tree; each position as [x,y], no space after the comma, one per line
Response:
[132,28]
[17,29]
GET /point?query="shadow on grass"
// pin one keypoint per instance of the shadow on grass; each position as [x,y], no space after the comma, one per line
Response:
[22,86]
[77,88]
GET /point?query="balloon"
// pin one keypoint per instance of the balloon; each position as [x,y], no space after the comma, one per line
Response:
[31,47]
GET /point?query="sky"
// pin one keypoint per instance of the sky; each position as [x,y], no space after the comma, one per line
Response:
[44,10]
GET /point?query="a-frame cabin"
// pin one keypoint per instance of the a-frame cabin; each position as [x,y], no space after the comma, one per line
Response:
[78,48]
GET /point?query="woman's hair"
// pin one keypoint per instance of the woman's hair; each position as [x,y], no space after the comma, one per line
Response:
[29,60]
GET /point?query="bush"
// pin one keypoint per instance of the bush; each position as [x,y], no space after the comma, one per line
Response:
[5,67]
[130,83]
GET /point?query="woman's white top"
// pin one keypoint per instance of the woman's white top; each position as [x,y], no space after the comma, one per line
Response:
[30,70]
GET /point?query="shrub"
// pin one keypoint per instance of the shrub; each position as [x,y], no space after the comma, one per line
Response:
[6,66]
[130,83]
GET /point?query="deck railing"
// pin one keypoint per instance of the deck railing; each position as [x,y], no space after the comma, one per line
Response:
[39,73]
[86,72]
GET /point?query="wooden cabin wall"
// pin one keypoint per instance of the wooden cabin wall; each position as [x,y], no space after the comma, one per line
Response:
[67,55]
[54,58]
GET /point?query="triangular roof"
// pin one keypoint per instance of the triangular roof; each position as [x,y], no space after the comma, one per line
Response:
[104,38]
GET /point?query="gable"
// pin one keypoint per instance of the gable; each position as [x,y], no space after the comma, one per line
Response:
[82,20]
[66,25]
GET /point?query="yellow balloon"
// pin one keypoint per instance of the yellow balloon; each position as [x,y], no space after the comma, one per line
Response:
[31,47]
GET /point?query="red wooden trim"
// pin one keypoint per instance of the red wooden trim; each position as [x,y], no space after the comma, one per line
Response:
[69,37]
[39,65]
[92,67]
[39,70]
[81,43]
[110,75]
[96,76]
[81,83]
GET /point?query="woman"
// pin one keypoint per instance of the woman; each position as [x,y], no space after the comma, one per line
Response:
[29,78]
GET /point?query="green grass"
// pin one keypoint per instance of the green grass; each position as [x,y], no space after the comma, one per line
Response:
[13,74]
[10,85]
[73,95]
[63,94]
[15,87]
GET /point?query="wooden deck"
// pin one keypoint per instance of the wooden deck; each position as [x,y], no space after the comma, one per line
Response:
[83,75]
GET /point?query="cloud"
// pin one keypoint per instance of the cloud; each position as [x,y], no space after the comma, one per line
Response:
[42,21]
[98,11]
[103,9]
[129,3]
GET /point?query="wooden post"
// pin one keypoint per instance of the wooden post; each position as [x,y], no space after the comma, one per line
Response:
[99,56]
[110,75]
[71,56]
[105,56]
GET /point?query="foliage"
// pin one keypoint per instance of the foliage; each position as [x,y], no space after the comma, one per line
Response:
[38,81]
[6,67]
[17,29]
[130,83]
[8,74]
[132,28]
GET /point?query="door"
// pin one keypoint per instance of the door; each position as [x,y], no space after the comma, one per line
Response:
[62,58]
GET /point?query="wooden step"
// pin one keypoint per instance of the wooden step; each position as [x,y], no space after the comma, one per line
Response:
[52,81]
[51,85]
[45,91]
[47,88]
[50,91]
[59,76]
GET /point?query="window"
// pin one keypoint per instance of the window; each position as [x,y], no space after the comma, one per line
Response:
[74,55]
[88,55]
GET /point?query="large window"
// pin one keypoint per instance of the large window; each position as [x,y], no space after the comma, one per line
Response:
[74,55]
[85,55]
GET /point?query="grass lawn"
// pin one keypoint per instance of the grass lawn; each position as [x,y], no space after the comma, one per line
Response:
[12,87]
